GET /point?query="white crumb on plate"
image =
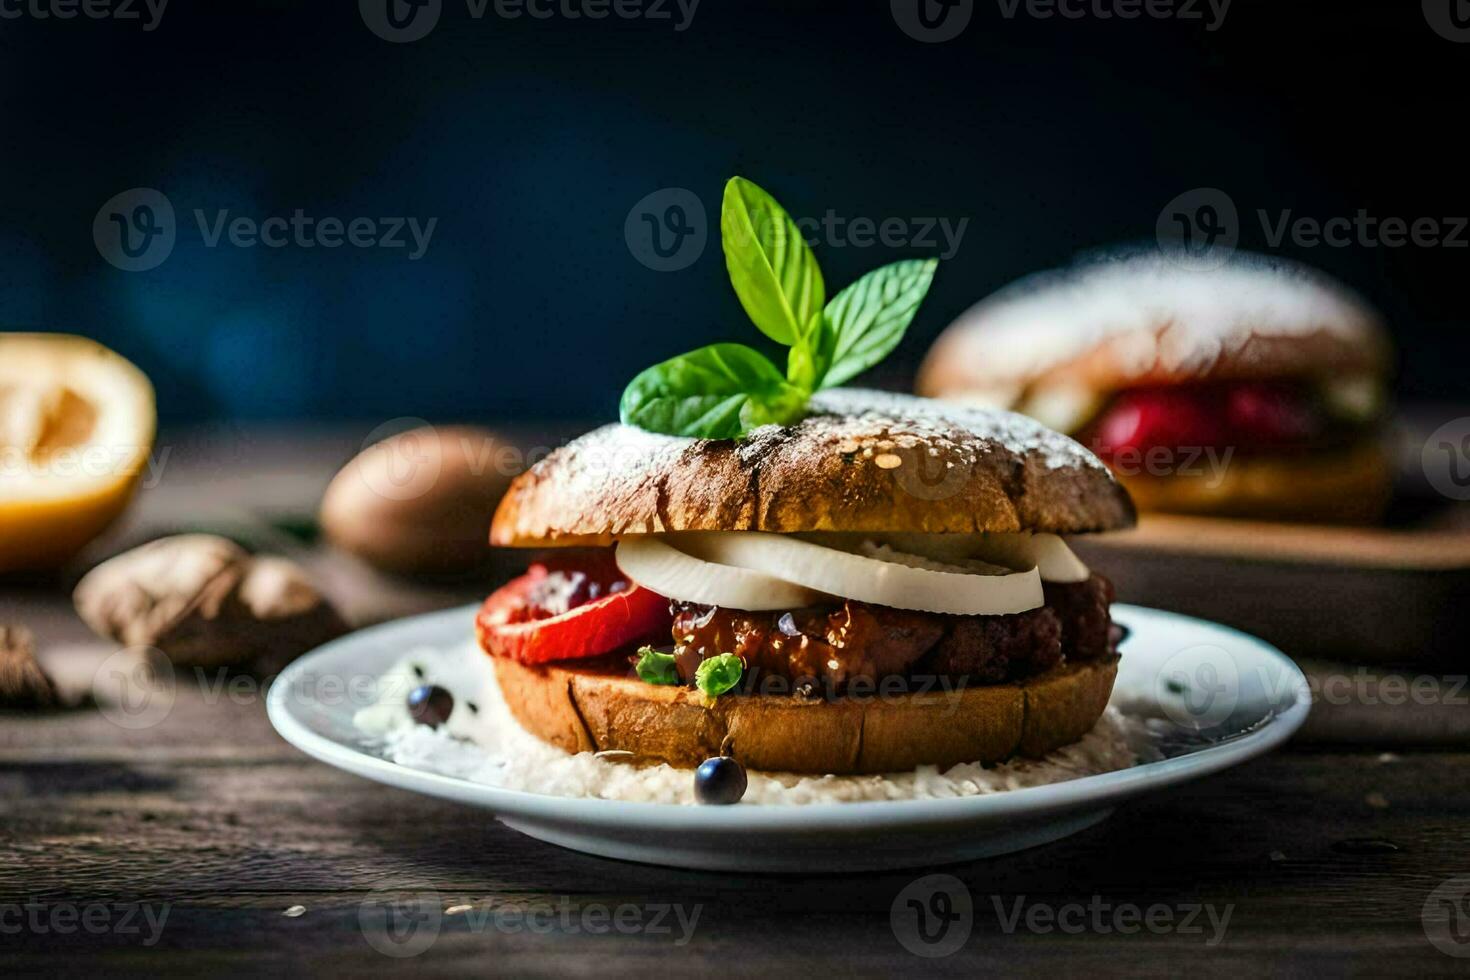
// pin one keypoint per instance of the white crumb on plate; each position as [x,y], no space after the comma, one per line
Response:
[487,746]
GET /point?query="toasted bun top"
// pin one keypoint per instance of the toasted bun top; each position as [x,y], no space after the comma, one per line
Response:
[1144,320]
[860,461]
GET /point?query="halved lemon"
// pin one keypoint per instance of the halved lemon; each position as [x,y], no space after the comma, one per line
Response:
[77,423]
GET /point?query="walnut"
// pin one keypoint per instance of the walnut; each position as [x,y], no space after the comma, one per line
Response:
[206,602]
[23,685]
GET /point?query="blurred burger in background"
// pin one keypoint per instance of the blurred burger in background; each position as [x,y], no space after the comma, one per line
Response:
[1257,389]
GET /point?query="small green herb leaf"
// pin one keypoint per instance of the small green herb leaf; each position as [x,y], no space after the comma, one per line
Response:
[716,392]
[869,317]
[716,675]
[773,271]
[723,391]
[655,667]
[811,355]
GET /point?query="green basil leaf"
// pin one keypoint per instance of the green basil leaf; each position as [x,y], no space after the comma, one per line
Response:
[811,355]
[773,271]
[656,667]
[780,407]
[716,675]
[717,392]
[869,317]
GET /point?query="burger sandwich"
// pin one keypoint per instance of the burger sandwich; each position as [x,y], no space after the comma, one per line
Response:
[761,567]
[1256,389]
[816,598]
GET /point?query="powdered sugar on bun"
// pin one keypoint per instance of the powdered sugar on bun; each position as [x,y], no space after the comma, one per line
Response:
[1142,319]
[860,461]
[909,422]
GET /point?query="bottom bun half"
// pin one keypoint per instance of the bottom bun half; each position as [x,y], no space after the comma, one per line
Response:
[1347,486]
[585,711]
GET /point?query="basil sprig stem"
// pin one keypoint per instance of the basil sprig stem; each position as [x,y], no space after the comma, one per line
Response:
[723,391]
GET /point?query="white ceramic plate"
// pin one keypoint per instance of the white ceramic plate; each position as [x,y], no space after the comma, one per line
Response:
[1220,697]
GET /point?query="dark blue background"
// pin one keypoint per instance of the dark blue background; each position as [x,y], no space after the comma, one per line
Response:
[531,140]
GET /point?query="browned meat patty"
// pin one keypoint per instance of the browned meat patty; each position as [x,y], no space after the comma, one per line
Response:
[831,646]
[996,649]
[1082,608]
[823,644]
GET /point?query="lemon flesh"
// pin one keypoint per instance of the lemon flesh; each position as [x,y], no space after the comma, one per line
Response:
[77,424]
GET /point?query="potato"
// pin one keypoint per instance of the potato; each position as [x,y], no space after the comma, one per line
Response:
[420,502]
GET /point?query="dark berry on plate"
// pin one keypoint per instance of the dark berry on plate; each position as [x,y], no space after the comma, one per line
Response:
[720,780]
[430,705]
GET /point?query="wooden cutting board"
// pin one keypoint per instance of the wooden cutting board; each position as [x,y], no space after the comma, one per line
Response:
[1389,595]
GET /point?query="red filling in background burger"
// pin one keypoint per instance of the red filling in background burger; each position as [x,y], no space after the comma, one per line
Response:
[1256,389]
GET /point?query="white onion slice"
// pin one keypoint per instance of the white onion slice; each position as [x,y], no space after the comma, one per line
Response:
[896,580]
[658,565]
[1020,549]
[1048,553]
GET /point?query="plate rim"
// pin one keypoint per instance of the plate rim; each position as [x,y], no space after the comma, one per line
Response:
[1098,790]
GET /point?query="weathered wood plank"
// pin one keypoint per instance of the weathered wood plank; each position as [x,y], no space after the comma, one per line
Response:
[231,843]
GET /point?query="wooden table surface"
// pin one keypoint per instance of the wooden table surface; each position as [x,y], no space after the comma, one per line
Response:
[206,844]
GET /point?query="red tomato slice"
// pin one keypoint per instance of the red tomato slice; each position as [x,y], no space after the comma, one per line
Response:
[524,619]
